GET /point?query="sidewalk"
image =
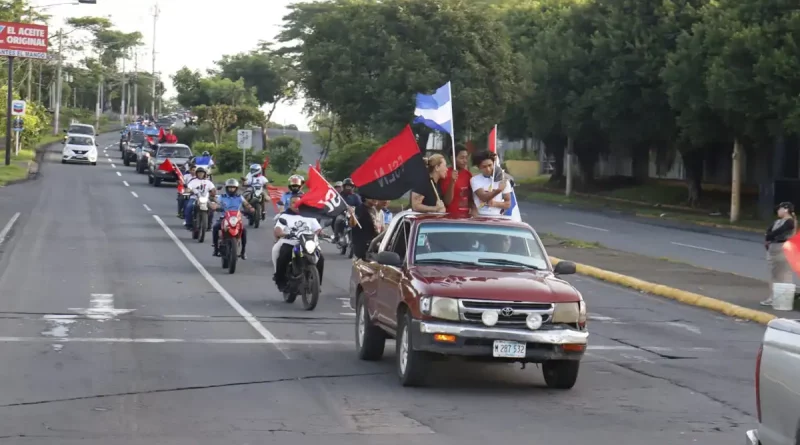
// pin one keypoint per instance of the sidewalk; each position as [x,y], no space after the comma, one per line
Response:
[734,289]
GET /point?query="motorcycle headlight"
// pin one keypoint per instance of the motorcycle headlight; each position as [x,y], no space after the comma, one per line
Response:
[311,246]
[234,220]
[440,307]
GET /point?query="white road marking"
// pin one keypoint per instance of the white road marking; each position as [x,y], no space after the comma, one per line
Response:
[8,226]
[119,174]
[125,182]
[253,321]
[688,327]
[349,314]
[101,308]
[114,166]
[699,248]
[110,160]
[587,227]
[134,194]
[596,317]
[147,208]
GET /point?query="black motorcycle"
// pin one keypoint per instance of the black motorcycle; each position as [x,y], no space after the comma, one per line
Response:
[255,196]
[302,274]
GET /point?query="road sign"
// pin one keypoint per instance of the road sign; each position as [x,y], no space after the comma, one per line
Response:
[245,139]
[27,40]
[18,108]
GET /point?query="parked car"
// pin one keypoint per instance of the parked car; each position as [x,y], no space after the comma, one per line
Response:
[79,148]
[130,145]
[178,154]
[481,288]
[777,386]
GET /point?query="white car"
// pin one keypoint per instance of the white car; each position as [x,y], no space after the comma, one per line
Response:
[80,130]
[79,148]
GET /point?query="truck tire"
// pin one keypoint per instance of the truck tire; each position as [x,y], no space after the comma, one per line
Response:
[561,374]
[370,339]
[412,366]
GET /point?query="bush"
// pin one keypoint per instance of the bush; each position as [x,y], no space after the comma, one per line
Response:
[342,162]
[284,154]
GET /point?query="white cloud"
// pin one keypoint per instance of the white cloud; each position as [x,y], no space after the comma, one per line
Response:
[190,32]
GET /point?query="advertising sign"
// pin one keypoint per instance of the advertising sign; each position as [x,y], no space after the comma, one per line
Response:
[18,108]
[27,40]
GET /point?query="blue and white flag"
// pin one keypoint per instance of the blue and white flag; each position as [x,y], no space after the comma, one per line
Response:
[513,211]
[436,111]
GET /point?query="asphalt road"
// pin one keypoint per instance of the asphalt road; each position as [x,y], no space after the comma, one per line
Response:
[724,250]
[192,355]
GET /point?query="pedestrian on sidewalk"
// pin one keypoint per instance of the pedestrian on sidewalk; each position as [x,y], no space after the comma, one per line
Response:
[778,233]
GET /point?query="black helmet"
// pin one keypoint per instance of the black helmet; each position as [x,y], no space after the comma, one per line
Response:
[347,182]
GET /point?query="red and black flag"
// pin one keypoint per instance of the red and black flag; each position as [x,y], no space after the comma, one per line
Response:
[393,169]
[321,200]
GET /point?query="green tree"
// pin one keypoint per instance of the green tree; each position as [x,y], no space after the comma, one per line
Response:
[218,117]
[284,154]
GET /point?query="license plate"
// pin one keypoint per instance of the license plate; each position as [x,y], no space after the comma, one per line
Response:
[79,156]
[509,349]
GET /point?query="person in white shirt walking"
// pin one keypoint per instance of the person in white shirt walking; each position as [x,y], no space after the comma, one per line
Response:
[492,198]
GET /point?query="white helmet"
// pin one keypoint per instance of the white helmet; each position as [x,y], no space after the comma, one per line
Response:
[255,169]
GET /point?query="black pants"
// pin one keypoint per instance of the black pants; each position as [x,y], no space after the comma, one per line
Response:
[284,257]
[338,225]
[215,236]
[181,203]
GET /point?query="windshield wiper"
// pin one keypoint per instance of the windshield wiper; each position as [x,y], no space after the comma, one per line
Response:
[446,262]
[505,262]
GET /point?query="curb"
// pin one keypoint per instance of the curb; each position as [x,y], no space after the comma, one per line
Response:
[689,298]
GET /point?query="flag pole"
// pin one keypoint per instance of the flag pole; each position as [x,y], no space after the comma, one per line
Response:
[332,188]
[452,122]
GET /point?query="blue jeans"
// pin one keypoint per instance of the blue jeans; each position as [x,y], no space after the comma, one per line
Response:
[188,210]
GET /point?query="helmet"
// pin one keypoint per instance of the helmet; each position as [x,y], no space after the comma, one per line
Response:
[338,184]
[231,184]
[347,182]
[206,153]
[199,170]
[255,169]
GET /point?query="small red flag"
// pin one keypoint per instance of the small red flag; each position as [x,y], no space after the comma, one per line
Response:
[166,166]
[180,178]
[393,169]
[791,249]
[266,164]
[319,169]
[275,195]
[493,140]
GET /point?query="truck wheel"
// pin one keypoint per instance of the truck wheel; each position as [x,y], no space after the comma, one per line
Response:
[149,179]
[561,374]
[370,339]
[412,366]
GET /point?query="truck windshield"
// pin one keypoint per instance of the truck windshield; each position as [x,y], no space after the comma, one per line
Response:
[478,244]
[81,129]
[174,152]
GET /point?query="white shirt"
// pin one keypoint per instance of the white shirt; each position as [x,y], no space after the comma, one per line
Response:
[297,221]
[187,178]
[479,182]
[260,179]
[197,185]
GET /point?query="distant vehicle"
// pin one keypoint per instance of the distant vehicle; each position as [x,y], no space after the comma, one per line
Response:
[178,154]
[143,153]
[79,148]
[131,144]
[777,386]
[482,288]
[82,129]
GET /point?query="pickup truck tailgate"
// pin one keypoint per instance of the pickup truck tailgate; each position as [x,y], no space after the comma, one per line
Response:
[780,383]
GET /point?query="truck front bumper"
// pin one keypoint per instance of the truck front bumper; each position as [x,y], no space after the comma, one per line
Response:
[479,341]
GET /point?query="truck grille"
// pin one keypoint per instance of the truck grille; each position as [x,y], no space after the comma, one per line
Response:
[512,313]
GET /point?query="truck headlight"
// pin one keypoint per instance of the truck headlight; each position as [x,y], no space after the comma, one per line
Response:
[567,313]
[440,307]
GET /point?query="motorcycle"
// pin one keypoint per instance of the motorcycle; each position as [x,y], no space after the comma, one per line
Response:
[200,217]
[255,196]
[184,197]
[231,240]
[302,274]
[345,242]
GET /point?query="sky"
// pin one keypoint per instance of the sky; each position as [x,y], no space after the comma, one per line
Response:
[189,33]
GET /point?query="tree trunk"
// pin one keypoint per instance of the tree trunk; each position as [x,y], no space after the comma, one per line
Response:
[736,180]
[693,165]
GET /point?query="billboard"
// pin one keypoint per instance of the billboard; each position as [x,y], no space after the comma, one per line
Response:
[27,40]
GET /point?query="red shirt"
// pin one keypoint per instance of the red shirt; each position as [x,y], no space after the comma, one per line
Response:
[461,193]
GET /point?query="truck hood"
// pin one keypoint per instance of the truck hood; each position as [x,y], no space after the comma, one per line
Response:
[492,284]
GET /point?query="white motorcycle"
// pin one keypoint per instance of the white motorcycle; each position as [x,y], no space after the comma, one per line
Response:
[255,196]
[200,216]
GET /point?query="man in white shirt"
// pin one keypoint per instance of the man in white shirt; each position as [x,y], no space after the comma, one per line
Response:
[491,197]
[198,185]
[256,177]
[282,250]
[188,174]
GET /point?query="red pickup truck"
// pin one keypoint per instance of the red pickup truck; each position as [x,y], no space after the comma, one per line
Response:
[481,288]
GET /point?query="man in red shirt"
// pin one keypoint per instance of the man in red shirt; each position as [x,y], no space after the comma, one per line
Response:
[457,191]
[168,137]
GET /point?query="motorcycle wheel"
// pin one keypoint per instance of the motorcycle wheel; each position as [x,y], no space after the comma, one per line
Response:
[223,253]
[233,254]
[202,223]
[311,289]
[350,249]
[256,218]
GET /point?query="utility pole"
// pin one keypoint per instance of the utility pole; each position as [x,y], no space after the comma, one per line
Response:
[122,109]
[155,23]
[28,94]
[57,114]
[135,83]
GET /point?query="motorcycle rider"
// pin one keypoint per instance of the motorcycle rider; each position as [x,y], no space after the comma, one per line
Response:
[366,222]
[188,175]
[197,185]
[338,187]
[282,249]
[229,201]
[256,178]
[295,183]
[352,200]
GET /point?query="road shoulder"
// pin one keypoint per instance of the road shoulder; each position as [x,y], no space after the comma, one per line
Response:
[726,293]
